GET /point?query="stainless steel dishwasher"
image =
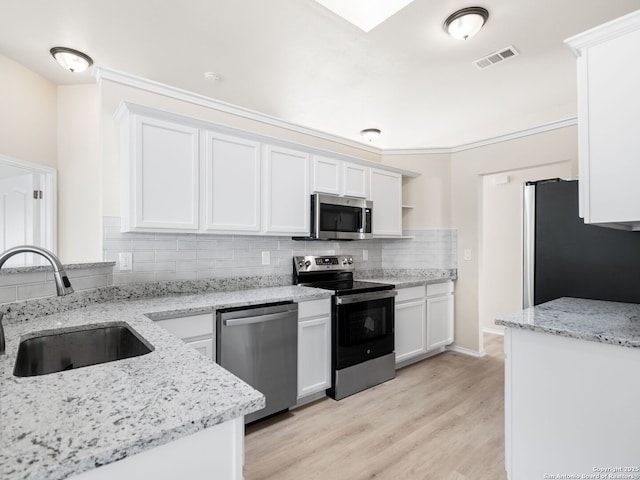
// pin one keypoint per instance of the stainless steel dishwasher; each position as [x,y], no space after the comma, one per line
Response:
[259,344]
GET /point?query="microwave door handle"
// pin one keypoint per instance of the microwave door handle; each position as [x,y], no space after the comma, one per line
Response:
[360,221]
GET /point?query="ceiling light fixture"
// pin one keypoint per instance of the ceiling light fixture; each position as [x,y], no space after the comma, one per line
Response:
[370,133]
[465,23]
[71,59]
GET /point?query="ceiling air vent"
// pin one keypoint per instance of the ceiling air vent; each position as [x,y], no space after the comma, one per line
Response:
[496,57]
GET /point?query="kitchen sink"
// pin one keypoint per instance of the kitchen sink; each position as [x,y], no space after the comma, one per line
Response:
[56,351]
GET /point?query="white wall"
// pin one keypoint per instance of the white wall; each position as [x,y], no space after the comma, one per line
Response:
[468,167]
[500,274]
[28,122]
[79,174]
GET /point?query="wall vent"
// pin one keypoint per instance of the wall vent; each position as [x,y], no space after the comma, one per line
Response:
[496,57]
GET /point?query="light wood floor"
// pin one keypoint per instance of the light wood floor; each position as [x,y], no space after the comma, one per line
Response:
[442,418]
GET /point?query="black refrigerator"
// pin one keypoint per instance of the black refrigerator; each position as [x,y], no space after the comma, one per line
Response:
[564,257]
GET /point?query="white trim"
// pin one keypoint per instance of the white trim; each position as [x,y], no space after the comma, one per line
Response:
[465,351]
[494,331]
[101,73]
[546,127]
[607,31]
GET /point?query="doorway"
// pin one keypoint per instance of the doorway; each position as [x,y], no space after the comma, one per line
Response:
[27,208]
[500,275]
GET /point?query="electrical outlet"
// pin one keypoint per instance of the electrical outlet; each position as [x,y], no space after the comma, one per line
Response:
[125,261]
[266,258]
[467,254]
[365,255]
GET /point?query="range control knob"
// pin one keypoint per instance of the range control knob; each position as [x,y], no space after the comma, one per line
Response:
[350,260]
[307,263]
[344,261]
[300,264]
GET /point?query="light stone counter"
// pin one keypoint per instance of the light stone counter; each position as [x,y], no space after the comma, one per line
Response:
[594,320]
[57,425]
[414,278]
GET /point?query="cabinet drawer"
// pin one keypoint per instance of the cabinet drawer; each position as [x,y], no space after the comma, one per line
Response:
[314,308]
[410,293]
[440,288]
[188,327]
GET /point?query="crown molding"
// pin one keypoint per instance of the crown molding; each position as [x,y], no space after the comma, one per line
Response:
[546,127]
[101,73]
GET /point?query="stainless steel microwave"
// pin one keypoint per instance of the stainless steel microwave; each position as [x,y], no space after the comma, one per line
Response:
[340,218]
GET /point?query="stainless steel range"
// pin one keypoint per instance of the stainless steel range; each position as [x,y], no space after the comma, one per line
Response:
[362,322]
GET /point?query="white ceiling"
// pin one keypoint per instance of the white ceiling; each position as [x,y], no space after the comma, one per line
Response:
[298,61]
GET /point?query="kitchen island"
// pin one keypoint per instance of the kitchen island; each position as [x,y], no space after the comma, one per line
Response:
[62,424]
[572,390]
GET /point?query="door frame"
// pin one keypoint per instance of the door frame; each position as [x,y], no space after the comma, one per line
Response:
[48,180]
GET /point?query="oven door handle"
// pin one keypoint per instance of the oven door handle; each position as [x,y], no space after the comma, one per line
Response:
[365,297]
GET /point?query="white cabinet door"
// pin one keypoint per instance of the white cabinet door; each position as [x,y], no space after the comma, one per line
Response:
[326,175]
[160,172]
[231,184]
[314,347]
[609,143]
[439,321]
[285,197]
[386,193]
[197,331]
[356,180]
[410,329]
[314,356]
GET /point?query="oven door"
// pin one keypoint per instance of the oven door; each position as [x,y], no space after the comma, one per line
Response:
[363,326]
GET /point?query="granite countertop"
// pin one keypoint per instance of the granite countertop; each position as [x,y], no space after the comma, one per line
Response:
[412,280]
[61,424]
[594,320]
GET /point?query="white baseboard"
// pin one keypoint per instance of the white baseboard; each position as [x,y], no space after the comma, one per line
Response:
[494,331]
[466,351]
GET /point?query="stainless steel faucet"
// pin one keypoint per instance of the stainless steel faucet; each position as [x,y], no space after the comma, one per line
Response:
[63,285]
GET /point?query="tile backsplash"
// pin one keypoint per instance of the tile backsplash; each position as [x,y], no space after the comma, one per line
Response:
[165,257]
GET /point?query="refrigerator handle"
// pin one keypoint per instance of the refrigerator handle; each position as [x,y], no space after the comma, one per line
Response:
[528,238]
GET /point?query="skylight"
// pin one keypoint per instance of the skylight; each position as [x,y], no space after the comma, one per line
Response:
[365,14]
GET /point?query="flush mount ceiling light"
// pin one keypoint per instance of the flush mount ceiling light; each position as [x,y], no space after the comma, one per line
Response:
[465,23]
[370,133]
[71,59]
[365,14]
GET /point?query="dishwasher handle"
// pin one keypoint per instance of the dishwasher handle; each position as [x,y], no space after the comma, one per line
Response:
[232,322]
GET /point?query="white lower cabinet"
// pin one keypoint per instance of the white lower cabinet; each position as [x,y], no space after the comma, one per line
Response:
[314,348]
[439,315]
[424,321]
[410,324]
[197,331]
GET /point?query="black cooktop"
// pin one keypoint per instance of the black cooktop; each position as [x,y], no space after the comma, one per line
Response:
[349,287]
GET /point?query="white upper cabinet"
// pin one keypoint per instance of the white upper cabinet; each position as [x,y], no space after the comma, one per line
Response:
[160,175]
[285,200]
[608,106]
[356,180]
[181,174]
[327,175]
[386,193]
[337,177]
[231,184]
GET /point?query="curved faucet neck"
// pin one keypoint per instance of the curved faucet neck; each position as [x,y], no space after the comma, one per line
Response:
[63,286]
